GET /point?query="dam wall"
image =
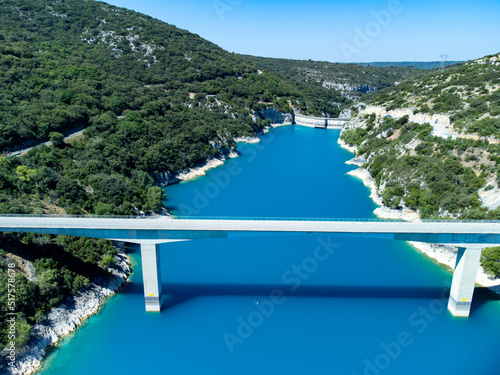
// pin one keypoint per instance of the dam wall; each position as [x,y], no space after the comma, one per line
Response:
[319,122]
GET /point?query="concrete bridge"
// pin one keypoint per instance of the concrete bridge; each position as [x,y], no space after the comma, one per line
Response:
[319,122]
[469,236]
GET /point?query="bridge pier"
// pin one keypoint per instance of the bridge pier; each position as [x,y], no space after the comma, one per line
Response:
[464,280]
[151,275]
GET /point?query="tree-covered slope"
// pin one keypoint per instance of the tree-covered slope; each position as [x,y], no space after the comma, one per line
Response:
[66,62]
[37,272]
[152,97]
[437,151]
[467,92]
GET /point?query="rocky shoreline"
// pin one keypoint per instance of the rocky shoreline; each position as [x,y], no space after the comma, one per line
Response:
[168,178]
[252,139]
[164,179]
[65,318]
[190,173]
[443,254]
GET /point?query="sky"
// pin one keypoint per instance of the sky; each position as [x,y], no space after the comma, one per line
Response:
[338,30]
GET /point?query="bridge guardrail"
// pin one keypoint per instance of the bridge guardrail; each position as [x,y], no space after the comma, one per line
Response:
[267,218]
[282,218]
[77,216]
[459,221]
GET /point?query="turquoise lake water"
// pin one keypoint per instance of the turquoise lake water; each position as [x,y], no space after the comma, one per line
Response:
[286,305]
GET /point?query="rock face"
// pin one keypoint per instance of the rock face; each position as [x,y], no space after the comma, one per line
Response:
[419,118]
[278,118]
[358,161]
[65,318]
[249,140]
[348,87]
[166,178]
[490,198]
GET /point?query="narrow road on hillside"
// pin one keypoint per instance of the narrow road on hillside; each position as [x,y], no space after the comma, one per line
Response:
[48,143]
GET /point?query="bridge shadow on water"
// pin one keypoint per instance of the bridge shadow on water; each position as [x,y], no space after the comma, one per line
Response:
[178,293]
[175,294]
[481,296]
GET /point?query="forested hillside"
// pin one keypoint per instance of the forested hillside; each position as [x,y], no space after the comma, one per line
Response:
[151,97]
[417,165]
[64,63]
[332,86]
[468,93]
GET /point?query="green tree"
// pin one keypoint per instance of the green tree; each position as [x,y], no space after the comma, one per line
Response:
[57,139]
[490,260]
[25,174]
[104,209]
[154,199]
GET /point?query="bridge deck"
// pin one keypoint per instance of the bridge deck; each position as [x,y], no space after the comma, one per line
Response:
[470,236]
[166,228]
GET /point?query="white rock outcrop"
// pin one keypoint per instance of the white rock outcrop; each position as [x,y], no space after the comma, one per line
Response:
[419,118]
[65,318]
[247,140]
[490,198]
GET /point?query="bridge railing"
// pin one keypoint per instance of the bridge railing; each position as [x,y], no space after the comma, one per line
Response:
[77,216]
[263,218]
[266,218]
[380,220]
[459,221]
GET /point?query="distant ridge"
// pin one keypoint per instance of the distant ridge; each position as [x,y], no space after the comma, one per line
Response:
[427,65]
[321,79]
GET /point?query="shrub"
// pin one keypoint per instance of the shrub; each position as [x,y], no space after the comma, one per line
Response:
[490,260]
